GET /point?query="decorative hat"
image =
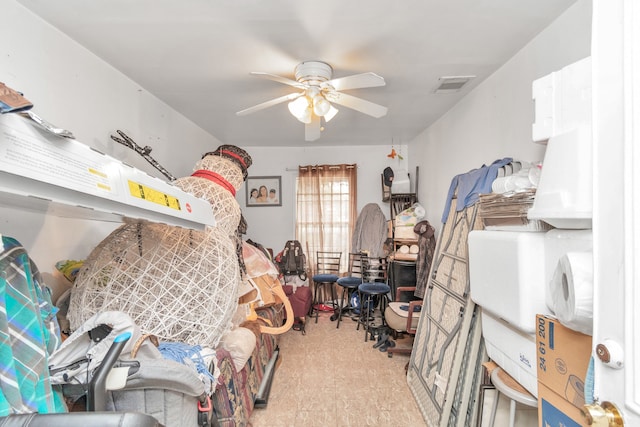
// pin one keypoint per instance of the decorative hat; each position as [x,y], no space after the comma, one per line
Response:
[424,229]
[388,176]
[235,154]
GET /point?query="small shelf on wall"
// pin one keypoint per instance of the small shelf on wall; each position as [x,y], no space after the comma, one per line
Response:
[397,255]
[401,201]
[405,241]
[402,235]
[43,172]
[403,257]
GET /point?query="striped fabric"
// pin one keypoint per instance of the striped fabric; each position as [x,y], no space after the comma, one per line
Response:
[233,401]
[28,334]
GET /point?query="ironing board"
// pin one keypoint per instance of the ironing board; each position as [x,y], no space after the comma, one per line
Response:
[445,367]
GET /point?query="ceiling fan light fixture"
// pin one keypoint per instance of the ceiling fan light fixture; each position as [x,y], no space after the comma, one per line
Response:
[331,113]
[299,108]
[320,105]
[306,116]
[313,71]
[318,92]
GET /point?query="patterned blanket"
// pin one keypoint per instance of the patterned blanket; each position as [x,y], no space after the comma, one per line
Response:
[29,333]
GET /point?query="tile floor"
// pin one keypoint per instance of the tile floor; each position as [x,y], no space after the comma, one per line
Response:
[332,377]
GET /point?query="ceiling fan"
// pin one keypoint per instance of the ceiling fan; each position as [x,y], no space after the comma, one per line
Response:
[317,94]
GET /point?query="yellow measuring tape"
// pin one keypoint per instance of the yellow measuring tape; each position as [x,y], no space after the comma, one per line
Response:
[147,193]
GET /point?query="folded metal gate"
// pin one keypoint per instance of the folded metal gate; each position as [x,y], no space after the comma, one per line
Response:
[445,367]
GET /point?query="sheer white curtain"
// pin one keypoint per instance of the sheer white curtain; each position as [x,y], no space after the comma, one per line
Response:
[326,209]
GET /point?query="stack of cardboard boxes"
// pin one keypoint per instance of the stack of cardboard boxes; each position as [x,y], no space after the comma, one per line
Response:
[563,360]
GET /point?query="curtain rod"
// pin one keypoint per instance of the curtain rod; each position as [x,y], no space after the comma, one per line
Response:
[330,167]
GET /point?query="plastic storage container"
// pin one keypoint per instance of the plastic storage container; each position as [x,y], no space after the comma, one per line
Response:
[512,349]
[564,197]
[507,274]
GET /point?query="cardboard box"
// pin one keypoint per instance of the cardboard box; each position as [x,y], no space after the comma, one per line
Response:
[562,358]
[554,411]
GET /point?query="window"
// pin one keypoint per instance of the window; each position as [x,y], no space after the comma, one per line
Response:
[326,209]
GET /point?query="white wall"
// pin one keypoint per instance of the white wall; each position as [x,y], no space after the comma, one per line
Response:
[273,226]
[494,120]
[72,88]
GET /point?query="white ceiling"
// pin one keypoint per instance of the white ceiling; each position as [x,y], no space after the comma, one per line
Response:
[196,55]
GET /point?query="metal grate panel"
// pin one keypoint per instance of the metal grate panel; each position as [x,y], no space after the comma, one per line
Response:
[446,351]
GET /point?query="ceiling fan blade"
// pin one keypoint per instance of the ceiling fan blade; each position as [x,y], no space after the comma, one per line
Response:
[358,104]
[312,130]
[356,81]
[279,79]
[271,103]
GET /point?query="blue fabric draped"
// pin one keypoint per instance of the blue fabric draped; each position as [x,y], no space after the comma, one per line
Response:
[471,184]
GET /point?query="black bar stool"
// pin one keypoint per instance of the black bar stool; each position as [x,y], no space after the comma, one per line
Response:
[373,290]
[326,274]
[349,284]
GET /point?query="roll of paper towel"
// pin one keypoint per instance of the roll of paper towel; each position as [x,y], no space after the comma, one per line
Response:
[570,291]
[419,210]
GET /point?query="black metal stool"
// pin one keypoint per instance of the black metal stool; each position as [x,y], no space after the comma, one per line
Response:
[374,284]
[326,274]
[349,284]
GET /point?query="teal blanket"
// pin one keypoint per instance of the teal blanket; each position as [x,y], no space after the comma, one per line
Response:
[29,333]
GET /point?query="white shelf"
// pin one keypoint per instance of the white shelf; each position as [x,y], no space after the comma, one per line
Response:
[43,172]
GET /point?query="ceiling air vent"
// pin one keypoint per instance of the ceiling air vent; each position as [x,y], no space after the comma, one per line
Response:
[452,84]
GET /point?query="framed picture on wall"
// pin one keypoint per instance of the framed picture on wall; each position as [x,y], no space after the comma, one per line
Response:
[263,191]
